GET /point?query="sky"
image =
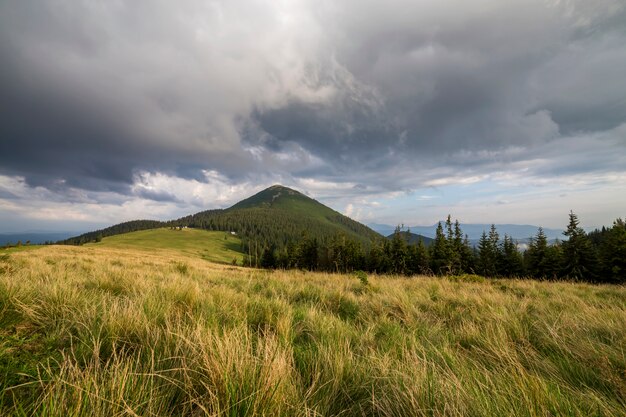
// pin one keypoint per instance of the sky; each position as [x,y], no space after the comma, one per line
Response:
[390,112]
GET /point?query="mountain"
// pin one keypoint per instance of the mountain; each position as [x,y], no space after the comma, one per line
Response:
[274,217]
[473,231]
[413,238]
[34,238]
[279,215]
[383,229]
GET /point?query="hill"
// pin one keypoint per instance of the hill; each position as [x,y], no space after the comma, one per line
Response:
[126,227]
[279,215]
[217,247]
[413,238]
[99,331]
[271,218]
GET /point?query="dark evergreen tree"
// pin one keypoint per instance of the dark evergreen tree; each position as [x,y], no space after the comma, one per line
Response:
[535,256]
[613,250]
[268,258]
[377,259]
[345,254]
[398,253]
[512,262]
[486,257]
[455,239]
[489,254]
[553,261]
[579,256]
[440,253]
[307,254]
[418,259]
[468,258]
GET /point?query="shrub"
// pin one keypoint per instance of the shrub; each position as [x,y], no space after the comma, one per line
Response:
[362,276]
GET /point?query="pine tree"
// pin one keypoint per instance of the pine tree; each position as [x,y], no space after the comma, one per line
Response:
[489,255]
[398,253]
[422,260]
[512,262]
[613,251]
[580,259]
[486,258]
[268,258]
[468,258]
[553,261]
[496,252]
[535,255]
[440,253]
[458,251]
[308,253]
[542,260]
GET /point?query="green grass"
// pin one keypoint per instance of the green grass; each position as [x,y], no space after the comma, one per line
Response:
[114,331]
[23,248]
[218,247]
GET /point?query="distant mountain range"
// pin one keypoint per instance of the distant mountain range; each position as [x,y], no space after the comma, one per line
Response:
[474,231]
[33,237]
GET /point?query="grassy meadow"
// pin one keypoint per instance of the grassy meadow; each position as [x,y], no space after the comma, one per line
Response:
[111,330]
[221,247]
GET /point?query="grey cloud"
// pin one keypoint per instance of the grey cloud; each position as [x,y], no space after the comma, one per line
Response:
[91,95]
[4,194]
[157,195]
[488,77]
[385,95]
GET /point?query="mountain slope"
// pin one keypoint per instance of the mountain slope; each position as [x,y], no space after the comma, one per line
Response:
[413,238]
[279,215]
[273,217]
[212,246]
[126,227]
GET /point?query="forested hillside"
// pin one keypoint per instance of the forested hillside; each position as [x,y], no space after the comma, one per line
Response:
[126,227]
[272,218]
[277,216]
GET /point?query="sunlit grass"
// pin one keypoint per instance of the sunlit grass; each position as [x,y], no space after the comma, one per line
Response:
[105,331]
[212,246]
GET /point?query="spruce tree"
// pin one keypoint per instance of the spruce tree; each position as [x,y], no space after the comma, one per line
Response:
[440,253]
[486,256]
[268,258]
[613,251]
[496,252]
[536,254]
[489,256]
[398,253]
[580,259]
[458,251]
[512,263]
[421,260]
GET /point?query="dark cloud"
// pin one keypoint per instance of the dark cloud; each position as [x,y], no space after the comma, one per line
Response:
[157,195]
[384,95]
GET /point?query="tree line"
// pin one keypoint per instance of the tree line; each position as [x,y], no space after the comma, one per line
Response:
[599,256]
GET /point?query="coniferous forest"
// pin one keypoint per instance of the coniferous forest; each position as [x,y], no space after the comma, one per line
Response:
[598,256]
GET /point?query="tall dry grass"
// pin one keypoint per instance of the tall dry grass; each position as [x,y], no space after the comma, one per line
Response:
[104,332]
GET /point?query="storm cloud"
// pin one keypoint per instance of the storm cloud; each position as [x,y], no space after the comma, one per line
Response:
[348,99]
